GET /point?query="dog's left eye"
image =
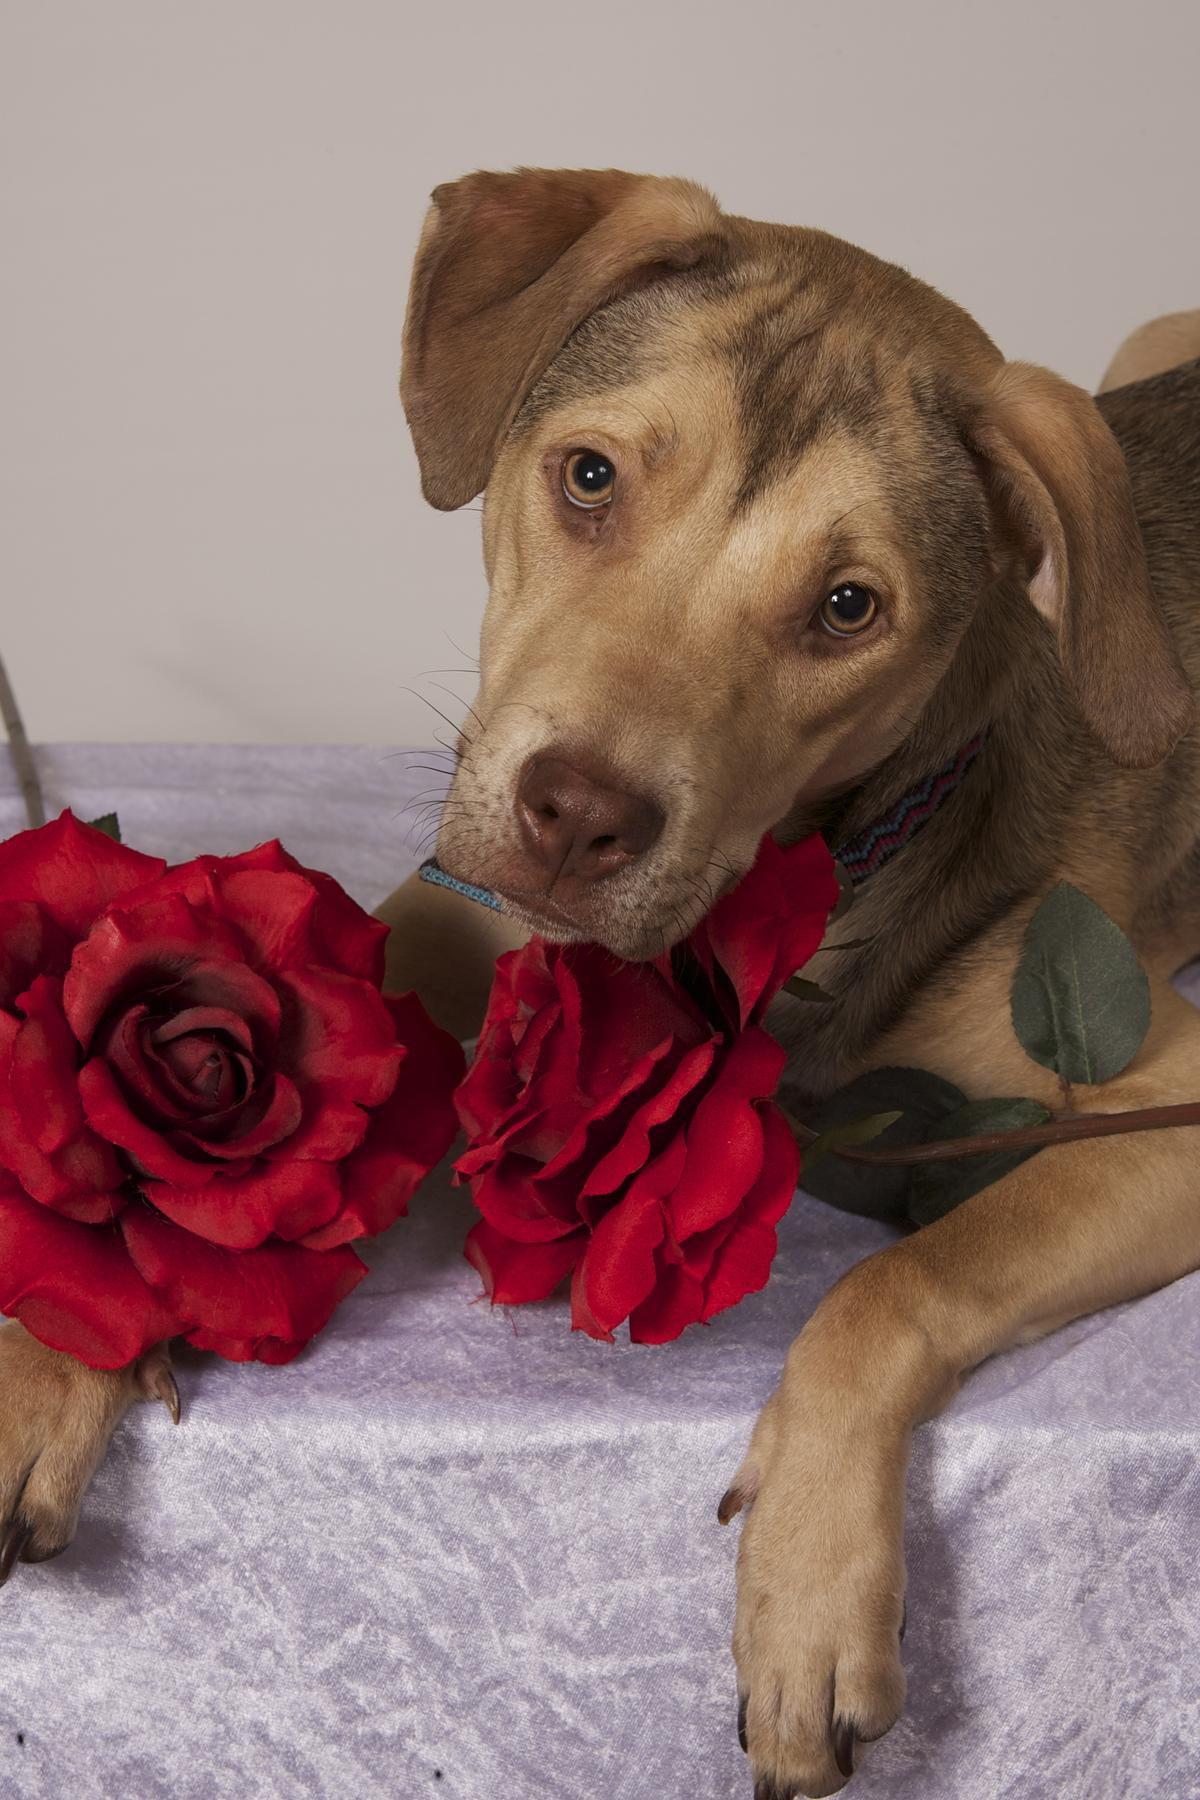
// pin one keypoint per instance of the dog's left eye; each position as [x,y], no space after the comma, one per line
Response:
[848,610]
[588,478]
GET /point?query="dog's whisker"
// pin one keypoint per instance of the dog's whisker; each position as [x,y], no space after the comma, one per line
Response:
[458,649]
[462,702]
[445,717]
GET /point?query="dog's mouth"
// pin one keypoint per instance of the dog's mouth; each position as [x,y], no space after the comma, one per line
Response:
[542,915]
[635,926]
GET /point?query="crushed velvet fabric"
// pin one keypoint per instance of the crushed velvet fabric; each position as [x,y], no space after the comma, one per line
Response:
[458,1552]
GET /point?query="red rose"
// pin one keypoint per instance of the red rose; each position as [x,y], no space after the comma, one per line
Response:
[203,1096]
[619,1118]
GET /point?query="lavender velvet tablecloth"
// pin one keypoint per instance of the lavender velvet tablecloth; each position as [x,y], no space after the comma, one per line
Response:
[461,1553]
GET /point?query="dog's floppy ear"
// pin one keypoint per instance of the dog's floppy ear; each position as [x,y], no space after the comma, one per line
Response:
[507,266]
[1059,476]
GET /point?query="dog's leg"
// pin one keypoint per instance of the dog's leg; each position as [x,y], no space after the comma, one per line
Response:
[56,1419]
[445,947]
[821,1567]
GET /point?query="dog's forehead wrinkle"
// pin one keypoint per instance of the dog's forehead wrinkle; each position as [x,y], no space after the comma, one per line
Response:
[621,344]
[799,399]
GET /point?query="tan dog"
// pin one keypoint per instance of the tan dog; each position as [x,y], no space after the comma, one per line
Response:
[772,530]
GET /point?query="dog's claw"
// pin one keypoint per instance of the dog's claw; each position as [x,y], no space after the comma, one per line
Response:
[743,1703]
[843,1748]
[16,1537]
[903,1617]
[167,1390]
[155,1381]
[731,1504]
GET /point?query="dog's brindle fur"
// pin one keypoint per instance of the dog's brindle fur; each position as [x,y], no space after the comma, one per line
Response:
[818,411]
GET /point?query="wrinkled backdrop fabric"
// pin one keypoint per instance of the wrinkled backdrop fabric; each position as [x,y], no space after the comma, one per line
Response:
[457,1552]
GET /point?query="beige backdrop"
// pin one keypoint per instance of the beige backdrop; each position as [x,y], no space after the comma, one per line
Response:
[211,525]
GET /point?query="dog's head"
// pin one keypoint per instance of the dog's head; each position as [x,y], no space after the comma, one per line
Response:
[747,491]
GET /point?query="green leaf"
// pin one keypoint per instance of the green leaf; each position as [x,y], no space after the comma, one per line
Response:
[881,1191]
[1080,998]
[109,824]
[802,989]
[854,1131]
[937,1188]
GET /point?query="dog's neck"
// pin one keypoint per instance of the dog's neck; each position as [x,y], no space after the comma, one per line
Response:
[991,844]
[1004,668]
[864,854]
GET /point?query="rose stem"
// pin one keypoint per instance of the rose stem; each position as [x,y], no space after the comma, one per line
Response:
[1030,1137]
[22,755]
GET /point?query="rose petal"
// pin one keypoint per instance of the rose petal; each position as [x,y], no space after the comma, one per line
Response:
[78,1174]
[247,1349]
[43,1069]
[407,1135]
[515,1273]
[287,915]
[560,1134]
[297,920]
[109,1115]
[512,1041]
[512,1197]
[205,1018]
[724,1137]
[338,1044]
[744,1262]
[205,1067]
[337,1037]
[608,1120]
[333,1129]
[148,1079]
[626,1009]
[74,1287]
[169,949]
[283,1200]
[266,1124]
[495,1092]
[618,1269]
[675,1302]
[71,871]
[768,926]
[31,944]
[344,937]
[280,1291]
[634,1147]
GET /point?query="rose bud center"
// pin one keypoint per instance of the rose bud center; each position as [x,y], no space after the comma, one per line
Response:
[194,1064]
[208,1066]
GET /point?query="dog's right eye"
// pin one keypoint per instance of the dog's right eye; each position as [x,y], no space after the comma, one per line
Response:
[588,478]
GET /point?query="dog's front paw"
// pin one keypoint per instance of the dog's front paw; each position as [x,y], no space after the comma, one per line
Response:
[820,1600]
[56,1418]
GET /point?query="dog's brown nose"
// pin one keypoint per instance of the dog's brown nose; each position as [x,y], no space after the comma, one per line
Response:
[573,823]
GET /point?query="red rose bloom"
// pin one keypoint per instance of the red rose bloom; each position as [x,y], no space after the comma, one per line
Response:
[204,1097]
[619,1120]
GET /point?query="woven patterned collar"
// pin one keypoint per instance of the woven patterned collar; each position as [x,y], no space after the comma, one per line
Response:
[867,852]
[861,856]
